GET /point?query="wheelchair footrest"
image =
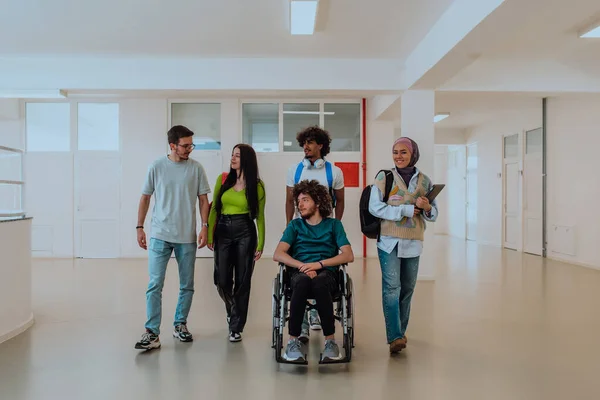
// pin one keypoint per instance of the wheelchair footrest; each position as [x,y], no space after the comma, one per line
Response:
[284,361]
[342,360]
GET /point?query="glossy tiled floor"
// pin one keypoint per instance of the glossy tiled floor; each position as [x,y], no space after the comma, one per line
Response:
[494,325]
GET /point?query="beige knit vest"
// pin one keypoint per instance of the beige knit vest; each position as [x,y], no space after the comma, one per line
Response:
[407,228]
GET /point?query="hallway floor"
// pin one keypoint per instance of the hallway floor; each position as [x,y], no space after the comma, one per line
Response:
[495,324]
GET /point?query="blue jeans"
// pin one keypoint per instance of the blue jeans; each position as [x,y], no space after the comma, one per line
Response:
[159,253]
[399,277]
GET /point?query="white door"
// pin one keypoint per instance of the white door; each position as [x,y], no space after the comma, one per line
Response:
[472,192]
[532,185]
[511,205]
[211,161]
[97,204]
[512,192]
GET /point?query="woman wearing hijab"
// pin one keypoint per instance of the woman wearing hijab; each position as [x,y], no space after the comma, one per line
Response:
[400,244]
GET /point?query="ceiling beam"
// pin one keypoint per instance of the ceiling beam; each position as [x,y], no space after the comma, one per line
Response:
[526,75]
[147,73]
[377,105]
[433,56]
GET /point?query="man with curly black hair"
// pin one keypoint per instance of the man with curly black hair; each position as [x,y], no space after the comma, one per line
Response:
[313,247]
[316,144]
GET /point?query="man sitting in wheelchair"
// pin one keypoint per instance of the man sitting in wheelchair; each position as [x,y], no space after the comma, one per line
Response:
[310,248]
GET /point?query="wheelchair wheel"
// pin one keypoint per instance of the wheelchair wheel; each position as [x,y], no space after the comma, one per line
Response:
[275,312]
[351,312]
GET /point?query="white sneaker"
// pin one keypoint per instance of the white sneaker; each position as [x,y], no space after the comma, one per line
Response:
[313,320]
[235,337]
[293,351]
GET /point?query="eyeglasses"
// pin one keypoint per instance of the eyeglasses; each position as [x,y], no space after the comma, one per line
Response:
[188,146]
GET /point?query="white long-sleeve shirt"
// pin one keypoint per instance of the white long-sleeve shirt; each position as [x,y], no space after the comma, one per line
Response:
[407,248]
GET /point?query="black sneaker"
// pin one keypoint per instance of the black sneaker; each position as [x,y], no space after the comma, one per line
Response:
[235,337]
[149,341]
[181,332]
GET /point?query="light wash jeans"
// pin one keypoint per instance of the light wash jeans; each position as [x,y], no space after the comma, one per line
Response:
[159,253]
[399,277]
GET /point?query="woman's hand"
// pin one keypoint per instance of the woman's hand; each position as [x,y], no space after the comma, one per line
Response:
[257,255]
[423,203]
[211,246]
[416,212]
[311,274]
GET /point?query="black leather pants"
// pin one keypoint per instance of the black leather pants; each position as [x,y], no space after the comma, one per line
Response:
[235,245]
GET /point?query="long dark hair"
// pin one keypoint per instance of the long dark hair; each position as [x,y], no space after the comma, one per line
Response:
[249,168]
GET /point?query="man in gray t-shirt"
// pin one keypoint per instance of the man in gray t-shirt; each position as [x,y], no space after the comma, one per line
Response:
[176,181]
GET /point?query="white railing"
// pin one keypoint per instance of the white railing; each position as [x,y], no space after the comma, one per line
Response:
[13,214]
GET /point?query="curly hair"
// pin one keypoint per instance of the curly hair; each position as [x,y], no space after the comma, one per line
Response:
[317,192]
[320,136]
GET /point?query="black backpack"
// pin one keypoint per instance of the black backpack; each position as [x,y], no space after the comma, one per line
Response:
[369,224]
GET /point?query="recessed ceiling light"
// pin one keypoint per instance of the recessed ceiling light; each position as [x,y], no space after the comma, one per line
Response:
[592,33]
[303,15]
[439,117]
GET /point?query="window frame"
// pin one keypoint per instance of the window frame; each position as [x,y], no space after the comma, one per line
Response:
[291,100]
[218,101]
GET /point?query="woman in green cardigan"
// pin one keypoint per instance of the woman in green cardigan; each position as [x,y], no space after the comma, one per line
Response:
[239,199]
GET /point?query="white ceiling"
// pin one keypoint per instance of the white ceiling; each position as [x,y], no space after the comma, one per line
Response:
[209,28]
[471,109]
[533,43]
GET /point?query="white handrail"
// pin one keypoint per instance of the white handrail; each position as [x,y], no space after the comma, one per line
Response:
[11,182]
[11,215]
[11,149]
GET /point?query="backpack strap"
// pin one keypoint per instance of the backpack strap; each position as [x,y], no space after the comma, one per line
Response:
[329,173]
[299,169]
[389,181]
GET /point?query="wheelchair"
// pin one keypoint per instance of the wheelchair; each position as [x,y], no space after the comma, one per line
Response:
[343,301]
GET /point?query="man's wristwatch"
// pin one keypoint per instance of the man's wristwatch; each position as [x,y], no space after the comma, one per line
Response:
[205,224]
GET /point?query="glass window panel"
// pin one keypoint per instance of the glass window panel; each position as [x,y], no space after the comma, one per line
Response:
[48,126]
[260,126]
[533,141]
[204,119]
[511,146]
[10,199]
[10,166]
[10,133]
[98,126]
[297,117]
[342,121]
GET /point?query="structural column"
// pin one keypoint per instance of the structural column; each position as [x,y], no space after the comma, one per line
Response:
[417,114]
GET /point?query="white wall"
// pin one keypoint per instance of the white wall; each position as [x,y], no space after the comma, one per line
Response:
[573,188]
[449,136]
[143,126]
[441,176]
[380,137]
[450,169]
[10,124]
[489,183]
[453,198]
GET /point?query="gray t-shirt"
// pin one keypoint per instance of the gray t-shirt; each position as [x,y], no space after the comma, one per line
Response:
[176,187]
